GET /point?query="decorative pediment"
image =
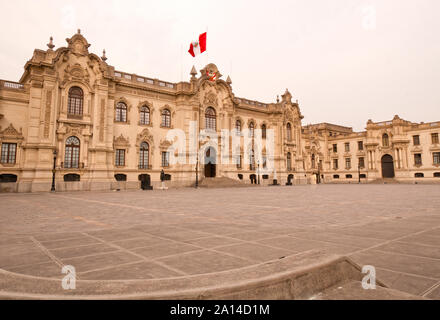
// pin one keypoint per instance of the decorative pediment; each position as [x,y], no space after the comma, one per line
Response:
[287,97]
[11,133]
[120,141]
[144,135]
[211,99]
[78,44]
[165,144]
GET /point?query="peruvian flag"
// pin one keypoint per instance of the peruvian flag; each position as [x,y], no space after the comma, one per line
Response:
[198,47]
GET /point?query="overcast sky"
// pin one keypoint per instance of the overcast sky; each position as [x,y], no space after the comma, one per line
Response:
[346,61]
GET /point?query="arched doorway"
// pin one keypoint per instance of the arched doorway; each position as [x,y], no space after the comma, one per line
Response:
[210,160]
[145,181]
[387,166]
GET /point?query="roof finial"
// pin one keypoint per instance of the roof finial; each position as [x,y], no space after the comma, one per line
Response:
[79,31]
[50,44]
[193,73]
[103,56]
[228,80]
[278,98]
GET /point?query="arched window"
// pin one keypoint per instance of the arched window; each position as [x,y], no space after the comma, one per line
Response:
[252,160]
[75,101]
[71,157]
[143,155]
[289,132]
[289,161]
[251,129]
[263,131]
[121,112]
[238,127]
[166,118]
[385,140]
[144,115]
[210,119]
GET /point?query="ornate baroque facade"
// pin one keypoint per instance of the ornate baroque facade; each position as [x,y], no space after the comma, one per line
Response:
[107,129]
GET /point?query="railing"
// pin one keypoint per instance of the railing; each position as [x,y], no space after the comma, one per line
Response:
[11,85]
[144,166]
[69,165]
[252,102]
[141,79]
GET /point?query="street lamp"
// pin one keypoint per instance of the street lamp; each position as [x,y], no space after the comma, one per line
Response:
[53,170]
[197,171]
[359,173]
[258,171]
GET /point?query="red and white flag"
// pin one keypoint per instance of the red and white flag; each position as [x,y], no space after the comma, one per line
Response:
[198,47]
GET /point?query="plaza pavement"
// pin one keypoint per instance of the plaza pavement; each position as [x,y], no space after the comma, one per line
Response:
[175,233]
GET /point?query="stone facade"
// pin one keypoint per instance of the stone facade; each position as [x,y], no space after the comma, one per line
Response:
[107,129]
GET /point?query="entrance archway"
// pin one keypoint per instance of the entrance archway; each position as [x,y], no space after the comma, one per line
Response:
[210,160]
[387,166]
[145,181]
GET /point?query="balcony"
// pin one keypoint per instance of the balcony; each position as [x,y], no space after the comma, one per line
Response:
[72,165]
[144,167]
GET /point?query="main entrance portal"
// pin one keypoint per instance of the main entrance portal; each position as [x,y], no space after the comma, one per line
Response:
[387,166]
[210,160]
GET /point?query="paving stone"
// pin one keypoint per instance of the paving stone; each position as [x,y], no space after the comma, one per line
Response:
[56,244]
[255,252]
[72,252]
[100,261]
[204,262]
[210,242]
[411,249]
[157,251]
[403,282]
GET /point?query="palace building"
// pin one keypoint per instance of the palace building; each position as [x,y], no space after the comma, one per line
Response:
[74,118]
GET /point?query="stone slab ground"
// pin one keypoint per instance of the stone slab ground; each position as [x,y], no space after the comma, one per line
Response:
[176,235]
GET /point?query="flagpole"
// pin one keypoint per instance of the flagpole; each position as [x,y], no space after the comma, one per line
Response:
[207,58]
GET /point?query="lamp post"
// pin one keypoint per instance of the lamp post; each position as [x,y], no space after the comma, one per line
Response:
[197,171]
[359,173]
[53,170]
[258,171]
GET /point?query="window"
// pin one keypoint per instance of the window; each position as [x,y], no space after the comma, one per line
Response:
[75,101]
[120,157]
[71,157]
[263,131]
[436,174]
[336,176]
[289,161]
[347,163]
[360,145]
[8,152]
[238,162]
[419,175]
[144,115]
[210,120]
[434,138]
[335,148]
[6,177]
[361,162]
[165,159]
[436,158]
[251,129]
[289,132]
[348,176]
[70,177]
[385,140]
[120,177]
[121,112]
[418,159]
[251,160]
[238,127]
[335,164]
[166,118]
[347,147]
[416,140]
[363,176]
[143,155]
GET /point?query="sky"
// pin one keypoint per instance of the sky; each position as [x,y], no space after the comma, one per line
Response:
[345,61]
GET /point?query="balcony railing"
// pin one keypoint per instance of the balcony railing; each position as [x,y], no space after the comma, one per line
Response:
[72,165]
[144,166]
